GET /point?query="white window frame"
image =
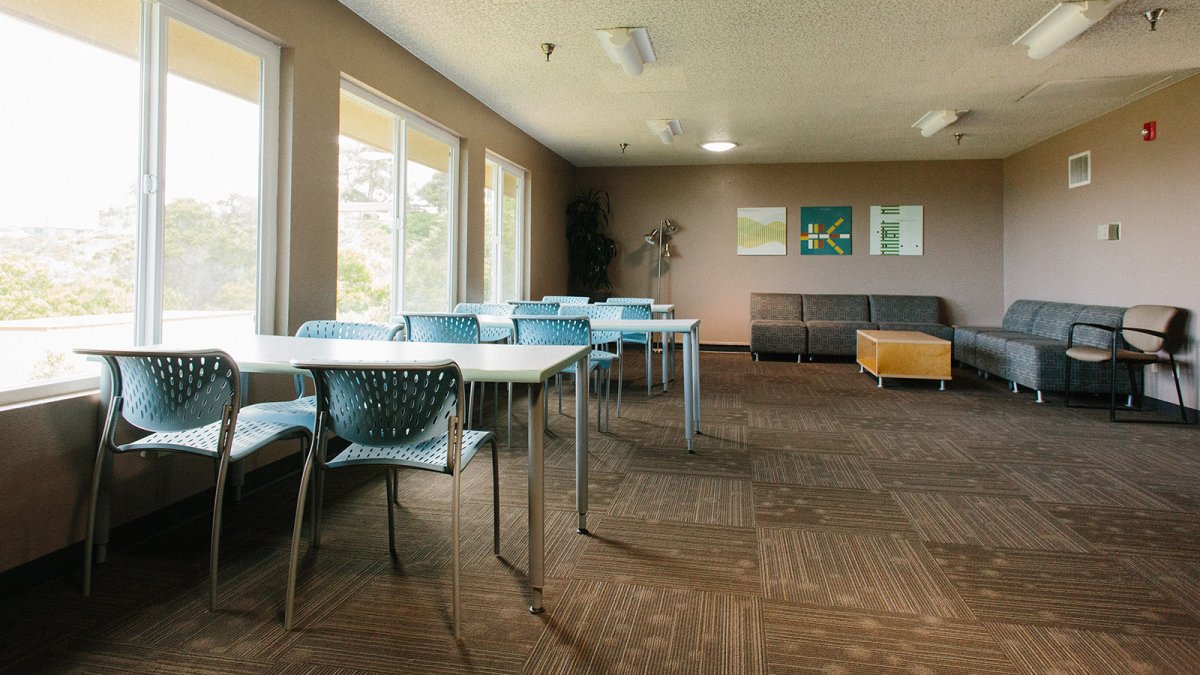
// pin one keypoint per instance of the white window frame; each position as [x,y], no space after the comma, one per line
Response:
[500,167]
[406,119]
[148,271]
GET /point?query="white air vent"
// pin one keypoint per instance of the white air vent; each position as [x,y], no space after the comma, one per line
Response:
[1079,169]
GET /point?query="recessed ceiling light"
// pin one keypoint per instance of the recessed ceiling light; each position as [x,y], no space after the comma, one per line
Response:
[718,146]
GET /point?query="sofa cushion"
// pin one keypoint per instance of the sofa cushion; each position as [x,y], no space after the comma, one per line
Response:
[964,342]
[836,308]
[1040,363]
[785,337]
[1053,320]
[776,306]
[835,338]
[937,330]
[1019,316]
[904,309]
[991,350]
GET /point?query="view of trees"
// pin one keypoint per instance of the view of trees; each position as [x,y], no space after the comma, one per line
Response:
[365,236]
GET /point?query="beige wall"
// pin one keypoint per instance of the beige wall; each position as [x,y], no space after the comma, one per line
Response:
[963,261]
[1151,188]
[50,445]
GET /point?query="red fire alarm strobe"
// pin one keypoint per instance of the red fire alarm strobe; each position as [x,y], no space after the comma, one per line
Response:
[1149,131]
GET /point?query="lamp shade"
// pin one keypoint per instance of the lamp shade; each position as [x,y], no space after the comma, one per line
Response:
[936,120]
[1062,24]
[627,47]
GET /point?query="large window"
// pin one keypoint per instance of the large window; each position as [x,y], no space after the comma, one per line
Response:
[397,213]
[136,204]
[504,222]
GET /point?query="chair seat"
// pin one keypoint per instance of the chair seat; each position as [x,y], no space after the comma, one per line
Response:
[1100,355]
[249,435]
[296,411]
[430,455]
[598,359]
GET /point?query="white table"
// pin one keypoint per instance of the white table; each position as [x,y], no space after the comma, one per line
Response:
[531,365]
[690,328]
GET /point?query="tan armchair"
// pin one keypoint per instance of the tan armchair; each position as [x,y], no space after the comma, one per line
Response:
[1147,331]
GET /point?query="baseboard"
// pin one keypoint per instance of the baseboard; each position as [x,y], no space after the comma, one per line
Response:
[182,512]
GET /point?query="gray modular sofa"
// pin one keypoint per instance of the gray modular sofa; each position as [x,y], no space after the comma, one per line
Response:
[826,325]
[1029,347]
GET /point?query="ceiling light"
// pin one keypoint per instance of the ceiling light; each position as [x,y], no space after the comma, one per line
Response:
[718,146]
[1062,24]
[666,130]
[936,120]
[627,47]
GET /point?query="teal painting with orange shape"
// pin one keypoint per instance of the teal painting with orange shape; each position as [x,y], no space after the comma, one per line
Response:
[826,230]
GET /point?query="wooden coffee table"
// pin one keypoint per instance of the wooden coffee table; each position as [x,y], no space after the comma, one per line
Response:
[905,354]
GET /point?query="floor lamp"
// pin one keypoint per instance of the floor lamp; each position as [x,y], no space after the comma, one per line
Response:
[660,238]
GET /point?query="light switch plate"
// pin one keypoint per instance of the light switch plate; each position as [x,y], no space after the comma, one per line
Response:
[1109,232]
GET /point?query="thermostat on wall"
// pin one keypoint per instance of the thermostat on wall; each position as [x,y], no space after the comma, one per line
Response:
[1109,232]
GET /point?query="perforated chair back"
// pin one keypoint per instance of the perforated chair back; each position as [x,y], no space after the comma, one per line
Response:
[630,301]
[631,310]
[534,308]
[384,405]
[1158,318]
[453,328]
[487,309]
[567,299]
[348,330]
[330,329]
[552,330]
[599,337]
[174,391]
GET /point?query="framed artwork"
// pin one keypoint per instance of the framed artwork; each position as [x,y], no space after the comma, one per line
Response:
[762,231]
[826,230]
[897,230]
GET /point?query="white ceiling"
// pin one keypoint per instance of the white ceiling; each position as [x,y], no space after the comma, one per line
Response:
[790,80]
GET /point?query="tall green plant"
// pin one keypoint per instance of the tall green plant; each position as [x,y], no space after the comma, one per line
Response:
[589,249]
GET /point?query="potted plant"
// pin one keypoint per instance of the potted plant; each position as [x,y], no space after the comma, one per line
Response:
[589,249]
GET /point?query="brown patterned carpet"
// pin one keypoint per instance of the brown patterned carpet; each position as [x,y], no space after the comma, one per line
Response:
[823,525]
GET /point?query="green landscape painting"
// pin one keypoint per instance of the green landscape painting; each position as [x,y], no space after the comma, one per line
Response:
[762,231]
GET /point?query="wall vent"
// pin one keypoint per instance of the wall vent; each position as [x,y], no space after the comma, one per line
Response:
[1079,169]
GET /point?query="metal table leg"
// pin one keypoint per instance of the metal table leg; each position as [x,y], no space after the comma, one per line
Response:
[581,444]
[537,496]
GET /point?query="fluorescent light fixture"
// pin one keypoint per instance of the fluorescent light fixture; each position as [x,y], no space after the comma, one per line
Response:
[1062,24]
[627,47]
[666,130]
[718,146]
[936,120]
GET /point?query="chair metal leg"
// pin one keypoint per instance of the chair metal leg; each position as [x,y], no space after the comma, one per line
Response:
[89,541]
[391,496]
[1178,391]
[306,476]
[215,543]
[607,394]
[454,535]
[1067,381]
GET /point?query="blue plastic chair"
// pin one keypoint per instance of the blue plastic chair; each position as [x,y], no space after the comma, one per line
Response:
[395,417]
[189,402]
[563,330]
[534,308]
[638,310]
[303,409]
[567,299]
[488,309]
[602,339]
[441,327]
